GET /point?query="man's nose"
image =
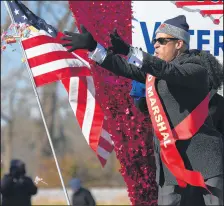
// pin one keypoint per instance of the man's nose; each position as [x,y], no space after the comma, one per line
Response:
[156,45]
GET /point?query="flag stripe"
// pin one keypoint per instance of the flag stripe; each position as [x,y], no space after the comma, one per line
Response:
[53,56]
[73,89]
[102,160]
[197,3]
[59,75]
[57,65]
[106,145]
[102,152]
[209,12]
[43,49]
[42,38]
[106,136]
[202,8]
[96,126]
[82,101]
[90,107]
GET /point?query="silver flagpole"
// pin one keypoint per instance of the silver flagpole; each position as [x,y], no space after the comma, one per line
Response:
[39,104]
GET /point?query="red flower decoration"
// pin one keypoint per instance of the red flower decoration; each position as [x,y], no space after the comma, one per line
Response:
[131,130]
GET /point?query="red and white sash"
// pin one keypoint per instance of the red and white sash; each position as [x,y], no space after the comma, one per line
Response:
[167,137]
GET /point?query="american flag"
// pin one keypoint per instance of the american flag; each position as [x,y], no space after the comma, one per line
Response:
[212,9]
[49,61]
[94,125]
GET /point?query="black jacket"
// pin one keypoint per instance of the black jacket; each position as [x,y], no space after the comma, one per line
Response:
[82,198]
[216,110]
[17,191]
[181,85]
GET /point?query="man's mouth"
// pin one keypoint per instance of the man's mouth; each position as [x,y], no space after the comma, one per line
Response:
[156,54]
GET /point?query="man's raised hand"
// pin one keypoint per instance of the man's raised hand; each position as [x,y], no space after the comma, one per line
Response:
[118,44]
[82,40]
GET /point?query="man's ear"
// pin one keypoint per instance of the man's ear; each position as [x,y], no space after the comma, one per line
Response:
[179,44]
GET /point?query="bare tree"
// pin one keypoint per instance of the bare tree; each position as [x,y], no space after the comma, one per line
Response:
[49,98]
[8,140]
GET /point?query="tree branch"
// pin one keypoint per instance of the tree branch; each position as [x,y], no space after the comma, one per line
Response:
[6,118]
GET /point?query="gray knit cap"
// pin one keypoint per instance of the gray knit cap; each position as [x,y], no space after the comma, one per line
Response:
[176,27]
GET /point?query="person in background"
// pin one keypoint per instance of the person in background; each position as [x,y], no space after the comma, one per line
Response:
[81,196]
[16,187]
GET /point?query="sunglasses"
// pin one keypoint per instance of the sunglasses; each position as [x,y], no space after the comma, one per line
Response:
[163,41]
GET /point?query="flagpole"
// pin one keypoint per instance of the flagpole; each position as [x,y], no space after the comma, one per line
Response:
[39,104]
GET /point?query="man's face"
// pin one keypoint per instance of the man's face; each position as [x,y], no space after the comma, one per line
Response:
[167,49]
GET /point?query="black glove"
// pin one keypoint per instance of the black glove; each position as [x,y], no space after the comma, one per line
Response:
[84,40]
[118,44]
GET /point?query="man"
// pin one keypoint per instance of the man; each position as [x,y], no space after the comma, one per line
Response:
[16,187]
[81,196]
[177,78]
[216,111]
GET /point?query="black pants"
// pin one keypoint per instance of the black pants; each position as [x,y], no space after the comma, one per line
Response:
[192,196]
